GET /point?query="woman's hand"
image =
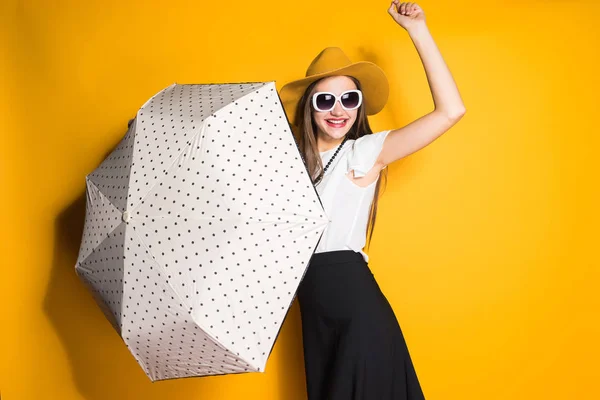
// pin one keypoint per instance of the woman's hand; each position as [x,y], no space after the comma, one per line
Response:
[407,15]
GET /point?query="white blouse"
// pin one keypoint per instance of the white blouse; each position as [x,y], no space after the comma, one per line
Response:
[346,204]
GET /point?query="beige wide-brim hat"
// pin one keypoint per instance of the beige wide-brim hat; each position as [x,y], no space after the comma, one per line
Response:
[333,61]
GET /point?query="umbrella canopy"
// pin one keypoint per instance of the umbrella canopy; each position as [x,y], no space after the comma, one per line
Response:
[199,228]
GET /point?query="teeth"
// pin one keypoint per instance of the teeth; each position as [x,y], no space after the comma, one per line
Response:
[336,121]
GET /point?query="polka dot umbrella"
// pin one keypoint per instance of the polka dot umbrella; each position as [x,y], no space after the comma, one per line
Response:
[199,227]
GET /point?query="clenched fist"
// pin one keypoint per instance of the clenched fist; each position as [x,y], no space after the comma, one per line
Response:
[406,14]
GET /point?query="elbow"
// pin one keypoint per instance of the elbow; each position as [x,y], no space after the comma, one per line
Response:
[456,114]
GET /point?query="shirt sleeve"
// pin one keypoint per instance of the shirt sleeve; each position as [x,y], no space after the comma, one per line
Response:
[365,151]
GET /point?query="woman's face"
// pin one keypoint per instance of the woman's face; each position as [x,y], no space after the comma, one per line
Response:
[335,123]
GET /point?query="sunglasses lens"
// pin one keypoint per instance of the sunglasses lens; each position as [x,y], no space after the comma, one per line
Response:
[351,100]
[325,101]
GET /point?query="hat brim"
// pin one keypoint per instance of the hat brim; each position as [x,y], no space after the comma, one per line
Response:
[375,87]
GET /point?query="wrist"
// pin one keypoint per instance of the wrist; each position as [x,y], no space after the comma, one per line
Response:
[417,29]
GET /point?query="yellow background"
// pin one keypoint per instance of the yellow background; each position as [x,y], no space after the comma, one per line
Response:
[487,240]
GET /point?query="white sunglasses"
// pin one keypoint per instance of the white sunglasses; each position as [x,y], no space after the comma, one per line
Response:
[325,101]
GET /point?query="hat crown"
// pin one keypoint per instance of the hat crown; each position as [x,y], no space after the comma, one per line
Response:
[329,59]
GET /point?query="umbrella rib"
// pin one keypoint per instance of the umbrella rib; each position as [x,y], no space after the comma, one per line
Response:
[175,160]
[88,209]
[226,348]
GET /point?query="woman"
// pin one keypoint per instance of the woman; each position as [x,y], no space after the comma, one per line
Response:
[353,345]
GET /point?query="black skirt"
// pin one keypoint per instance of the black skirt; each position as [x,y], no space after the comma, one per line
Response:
[353,345]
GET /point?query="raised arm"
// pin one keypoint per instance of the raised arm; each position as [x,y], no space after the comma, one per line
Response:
[449,107]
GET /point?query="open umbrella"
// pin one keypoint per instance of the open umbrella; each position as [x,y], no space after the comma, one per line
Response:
[199,227]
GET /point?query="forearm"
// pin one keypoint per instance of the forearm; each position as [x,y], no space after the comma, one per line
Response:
[443,88]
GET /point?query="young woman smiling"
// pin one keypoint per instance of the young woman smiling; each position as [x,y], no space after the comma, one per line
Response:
[353,345]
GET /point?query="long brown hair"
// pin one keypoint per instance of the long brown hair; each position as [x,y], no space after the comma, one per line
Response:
[306,134]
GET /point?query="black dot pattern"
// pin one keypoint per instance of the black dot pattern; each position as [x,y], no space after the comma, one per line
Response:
[103,274]
[101,218]
[112,176]
[221,220]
